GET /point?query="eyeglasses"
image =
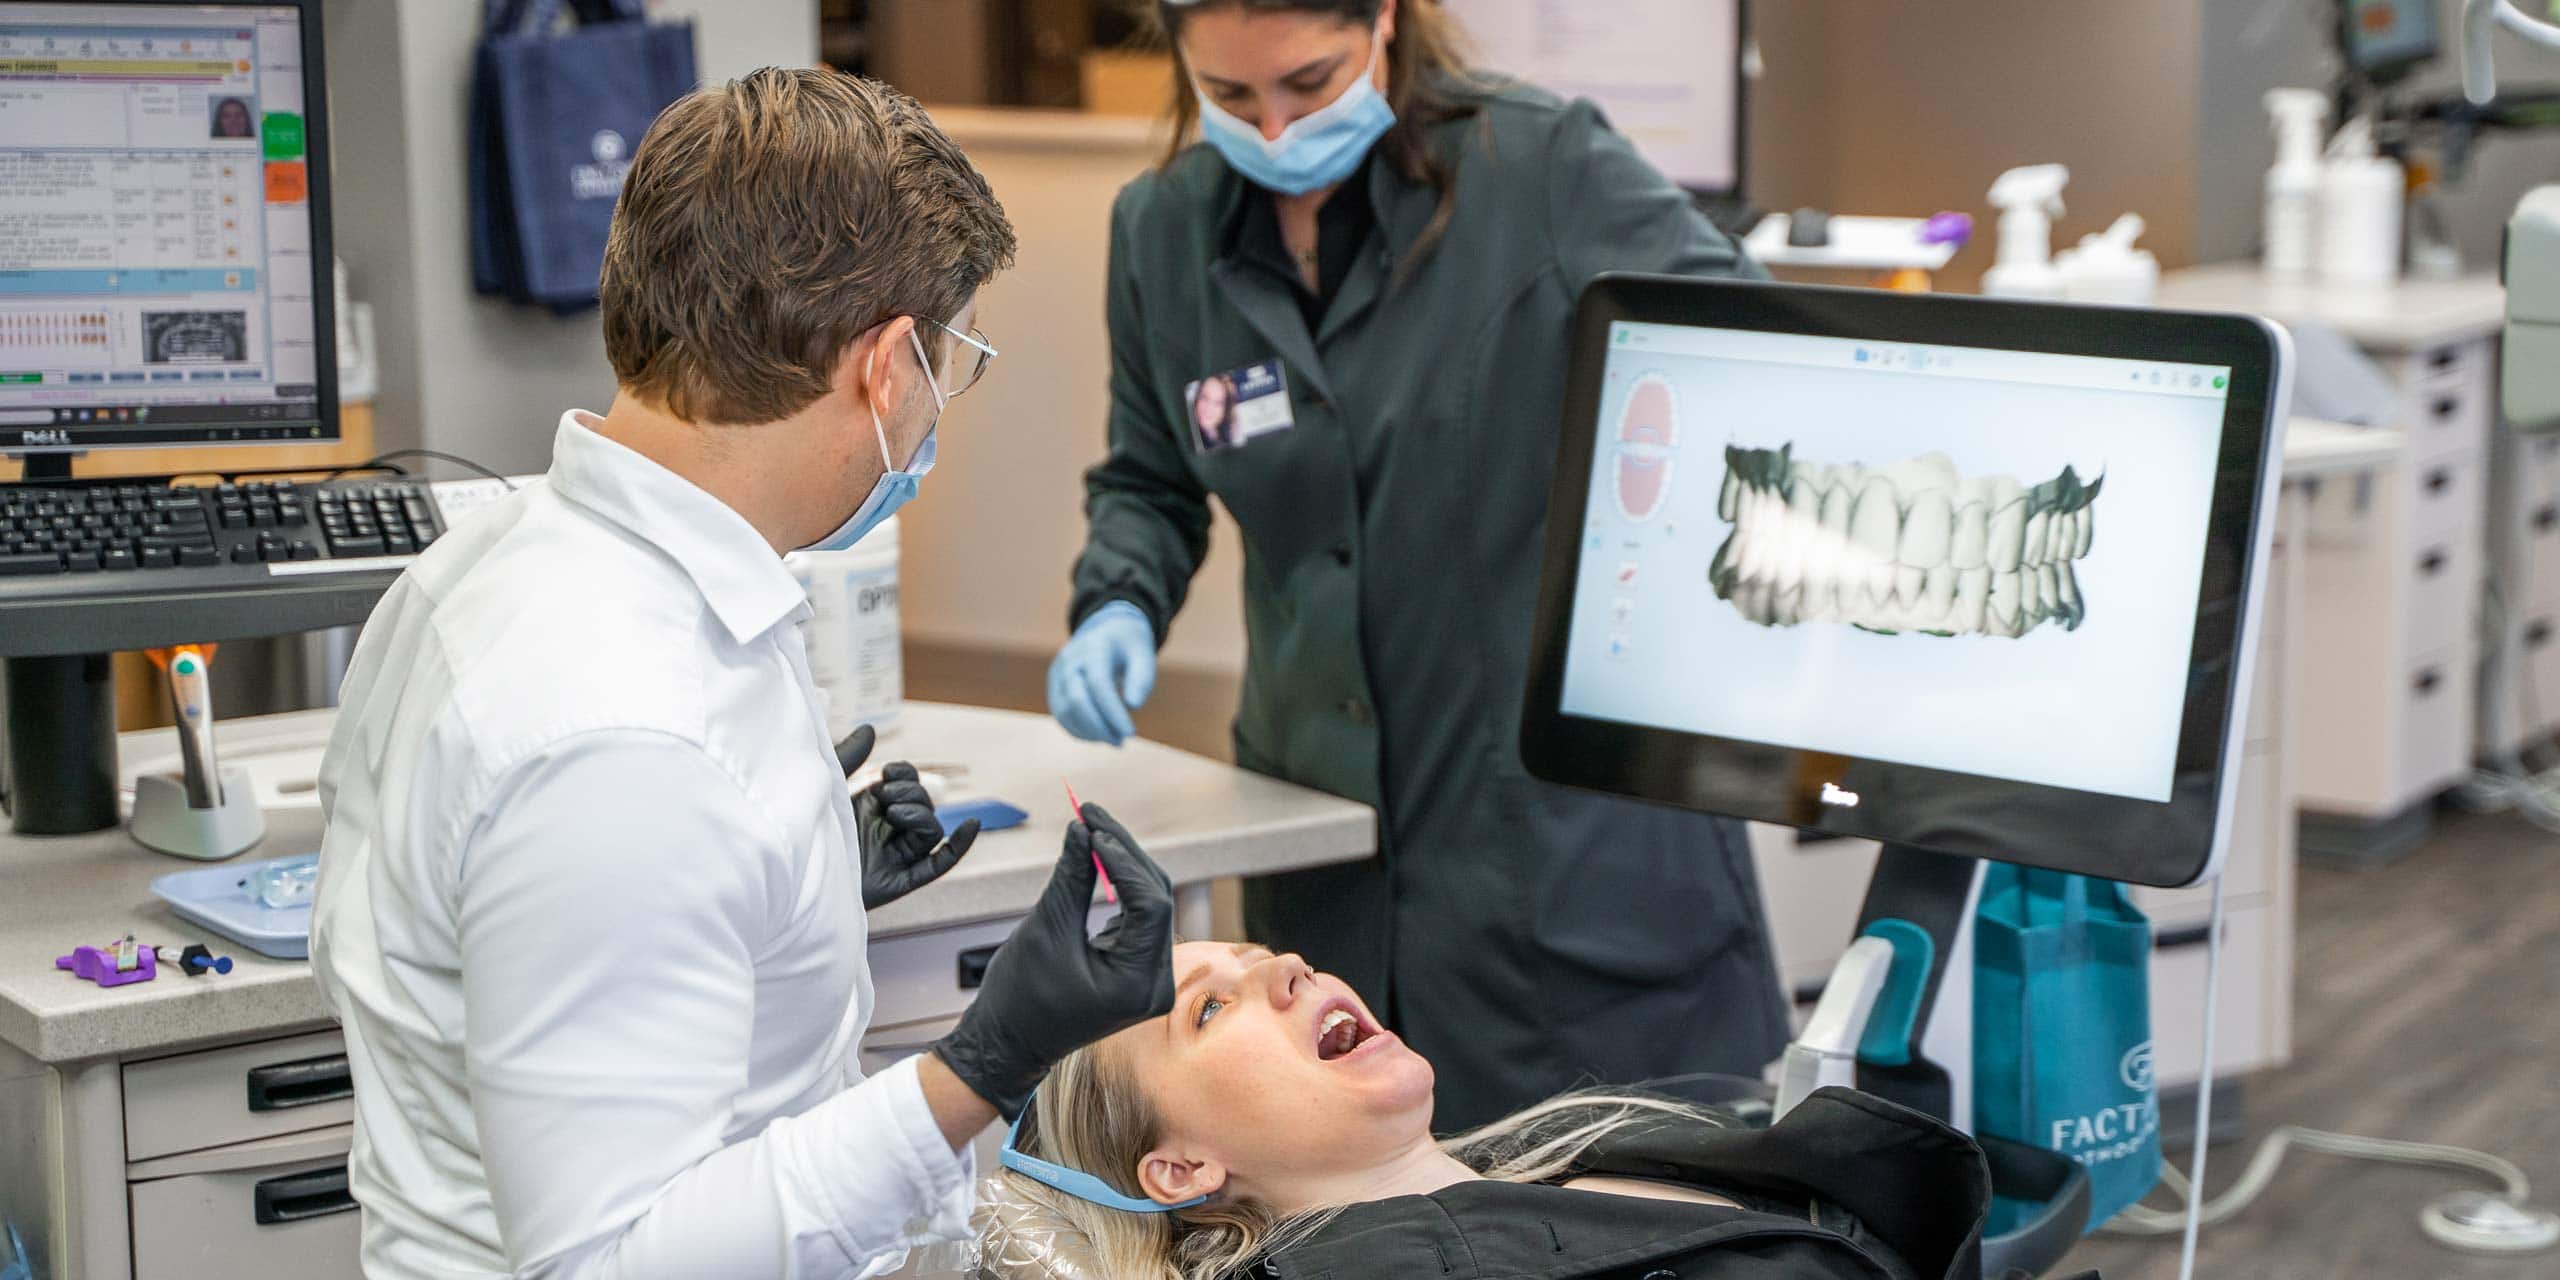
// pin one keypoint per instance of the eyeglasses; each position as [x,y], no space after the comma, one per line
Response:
[986,356]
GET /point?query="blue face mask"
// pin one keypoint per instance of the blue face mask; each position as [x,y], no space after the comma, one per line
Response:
[895,488]
[1316,150]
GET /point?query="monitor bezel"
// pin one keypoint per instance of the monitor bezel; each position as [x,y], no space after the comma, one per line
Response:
[61,439]
[2173,842]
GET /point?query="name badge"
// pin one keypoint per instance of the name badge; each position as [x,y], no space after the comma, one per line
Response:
[1228,410]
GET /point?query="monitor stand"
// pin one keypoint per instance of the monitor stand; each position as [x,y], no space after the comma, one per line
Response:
[62,726]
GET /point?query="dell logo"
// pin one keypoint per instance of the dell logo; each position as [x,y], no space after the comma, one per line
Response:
[34,438]
[1835,796]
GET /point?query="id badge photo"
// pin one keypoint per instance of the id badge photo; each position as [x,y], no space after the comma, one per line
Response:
[1228,410]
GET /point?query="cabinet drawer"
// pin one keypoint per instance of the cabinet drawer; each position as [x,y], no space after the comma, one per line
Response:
[2436,715]
[2451,363]
[221,1096]
[2535,695]
[278,1222]
[2443,585]
[2241,1039]
[918,976]
[2445,499]
[2449,414]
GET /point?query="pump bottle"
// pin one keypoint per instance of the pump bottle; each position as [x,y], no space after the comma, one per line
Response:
[2293,182]
[2029,199]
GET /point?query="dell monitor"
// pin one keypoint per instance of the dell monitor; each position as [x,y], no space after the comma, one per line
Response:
[164,228]
[1965,576]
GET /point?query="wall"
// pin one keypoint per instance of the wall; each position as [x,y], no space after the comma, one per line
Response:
[470,375]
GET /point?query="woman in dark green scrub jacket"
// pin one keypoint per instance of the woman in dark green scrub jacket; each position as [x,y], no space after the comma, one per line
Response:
[1379,252]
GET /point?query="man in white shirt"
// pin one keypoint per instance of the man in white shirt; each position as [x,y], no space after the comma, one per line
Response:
[591,897]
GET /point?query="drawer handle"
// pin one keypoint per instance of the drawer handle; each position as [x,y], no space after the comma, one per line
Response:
[973,966]
[2432,563]
[2440,359]
[297,1197]
[2194,935]
[2537,633]
[2544,517]
[2427,681]
[285,1085]
[2439,480]
[2447,406]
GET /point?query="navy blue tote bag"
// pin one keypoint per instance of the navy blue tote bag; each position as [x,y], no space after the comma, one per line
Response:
[555,116]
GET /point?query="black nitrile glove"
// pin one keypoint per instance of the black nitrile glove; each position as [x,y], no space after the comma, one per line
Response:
[903,848]
[1051,990]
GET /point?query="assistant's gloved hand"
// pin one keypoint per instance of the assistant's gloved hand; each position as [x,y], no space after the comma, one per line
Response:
[903,848]
[1051,990]
[1105,671]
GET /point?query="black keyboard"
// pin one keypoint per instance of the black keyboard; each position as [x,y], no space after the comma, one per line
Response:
[108,528]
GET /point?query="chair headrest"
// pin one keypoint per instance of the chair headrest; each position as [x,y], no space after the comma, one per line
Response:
[1020,1238]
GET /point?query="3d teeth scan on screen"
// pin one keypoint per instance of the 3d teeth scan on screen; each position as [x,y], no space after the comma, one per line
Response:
[1912,546]
[1648,436]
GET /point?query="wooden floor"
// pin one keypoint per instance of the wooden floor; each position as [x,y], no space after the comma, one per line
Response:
[2428,1009]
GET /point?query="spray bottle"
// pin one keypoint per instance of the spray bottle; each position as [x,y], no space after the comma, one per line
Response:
[2293,182]
[2029,199]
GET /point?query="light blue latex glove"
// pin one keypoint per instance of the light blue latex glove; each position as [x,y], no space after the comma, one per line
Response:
[1105,671]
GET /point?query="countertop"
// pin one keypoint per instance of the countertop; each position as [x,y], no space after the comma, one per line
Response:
[2399,316]
[2315,447]
[1200,819]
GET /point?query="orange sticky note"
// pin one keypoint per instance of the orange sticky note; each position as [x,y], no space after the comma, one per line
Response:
[287,182]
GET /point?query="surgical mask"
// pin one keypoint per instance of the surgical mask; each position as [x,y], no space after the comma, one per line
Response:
[1316,150]
[896,487]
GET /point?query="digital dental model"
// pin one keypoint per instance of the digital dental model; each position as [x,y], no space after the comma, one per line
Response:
[1907,547]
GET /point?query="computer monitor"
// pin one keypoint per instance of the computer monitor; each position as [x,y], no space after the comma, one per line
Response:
[2383,40]
[1668,73]
[1961,575]
[164,226]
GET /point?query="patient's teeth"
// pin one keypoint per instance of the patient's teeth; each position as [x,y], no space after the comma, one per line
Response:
[1727,501]
[2031,599]
[1804,521]
[1907,582]
[2080,526]
[2038,526]
[1836,502]
[2049,588]
[1973,592]
[2068,584]
[1927,530]
[1964,549]
[1875,524]
[2007,537]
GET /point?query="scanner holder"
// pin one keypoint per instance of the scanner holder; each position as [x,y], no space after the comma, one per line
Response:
[1896,1020]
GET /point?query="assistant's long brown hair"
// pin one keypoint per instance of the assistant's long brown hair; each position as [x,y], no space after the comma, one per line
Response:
[1431,80]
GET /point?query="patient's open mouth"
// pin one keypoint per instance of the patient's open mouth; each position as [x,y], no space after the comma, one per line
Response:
[1340,1032]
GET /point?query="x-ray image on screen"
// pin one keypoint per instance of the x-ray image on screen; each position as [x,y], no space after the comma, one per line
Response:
[1911,546]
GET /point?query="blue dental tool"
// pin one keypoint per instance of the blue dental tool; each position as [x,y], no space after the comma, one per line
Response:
[1083,1186]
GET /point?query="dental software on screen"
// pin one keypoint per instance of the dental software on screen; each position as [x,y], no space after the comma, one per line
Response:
[1972,560]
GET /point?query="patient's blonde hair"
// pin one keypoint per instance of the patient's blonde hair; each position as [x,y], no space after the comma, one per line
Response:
[1090,1114]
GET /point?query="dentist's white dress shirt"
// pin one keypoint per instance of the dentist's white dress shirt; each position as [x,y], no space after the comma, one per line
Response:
[590,910]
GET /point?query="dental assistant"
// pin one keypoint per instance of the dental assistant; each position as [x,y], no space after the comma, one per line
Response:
[591,896]
[1379,251]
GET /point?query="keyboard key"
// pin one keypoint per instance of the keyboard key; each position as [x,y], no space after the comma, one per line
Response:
[82,561]
[159,557]
[197,557]
[190,533]
[189,540]
[292,516]
[117,558]
[303,551]
[243,554]
[29,563]
[400,545]
[355,546]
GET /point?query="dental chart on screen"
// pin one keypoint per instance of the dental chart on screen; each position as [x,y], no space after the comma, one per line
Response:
[1981,561]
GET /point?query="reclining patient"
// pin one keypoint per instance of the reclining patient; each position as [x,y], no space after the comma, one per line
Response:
[1268,1128]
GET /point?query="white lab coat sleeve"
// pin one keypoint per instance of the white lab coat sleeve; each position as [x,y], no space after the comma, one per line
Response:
[611,897]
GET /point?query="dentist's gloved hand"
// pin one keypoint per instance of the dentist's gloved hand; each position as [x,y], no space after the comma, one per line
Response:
[1106,671]
[1051,990]
[903,848]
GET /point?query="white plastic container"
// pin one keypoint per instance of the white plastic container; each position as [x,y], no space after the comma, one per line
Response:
[2291,216]
[2107,268]
[853,639]
[2362,195]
